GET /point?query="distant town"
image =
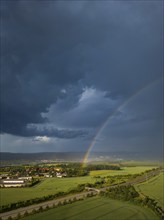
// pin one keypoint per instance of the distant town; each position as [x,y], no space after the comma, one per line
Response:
[29,175]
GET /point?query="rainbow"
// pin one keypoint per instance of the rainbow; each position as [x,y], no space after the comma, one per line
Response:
[106,122]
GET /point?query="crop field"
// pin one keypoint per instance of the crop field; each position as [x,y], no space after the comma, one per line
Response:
[53,185]
[124,171]
[154,189]
[47,187]
[131,163]
[96,208]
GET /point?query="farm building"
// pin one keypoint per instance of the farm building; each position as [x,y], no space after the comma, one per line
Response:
[60,175]
[25,178]
[12,183]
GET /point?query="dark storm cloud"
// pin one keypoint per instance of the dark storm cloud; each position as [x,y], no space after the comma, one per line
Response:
[50,131]
[34,67]
[53,50]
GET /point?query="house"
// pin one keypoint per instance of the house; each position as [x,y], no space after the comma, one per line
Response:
[47,175]
[25,178]
[12,183]
[60,175]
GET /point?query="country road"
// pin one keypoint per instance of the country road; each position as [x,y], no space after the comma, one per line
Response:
[50,203]
[137,180]
[15,212]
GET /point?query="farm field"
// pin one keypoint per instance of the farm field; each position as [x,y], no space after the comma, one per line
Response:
[154,189]
[96,208]
[46,187]
[131,163]
[124,171]
[54,185]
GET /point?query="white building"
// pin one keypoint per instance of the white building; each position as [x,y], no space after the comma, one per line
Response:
[12,183]
[25,178]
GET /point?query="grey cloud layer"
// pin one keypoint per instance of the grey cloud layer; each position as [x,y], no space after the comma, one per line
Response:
[52,51]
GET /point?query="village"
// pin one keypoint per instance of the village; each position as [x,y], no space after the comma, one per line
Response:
[29,176]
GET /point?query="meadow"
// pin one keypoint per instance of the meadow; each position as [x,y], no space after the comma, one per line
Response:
[123,171]
[96,208]
[46,187]
[53,185]
[153,188]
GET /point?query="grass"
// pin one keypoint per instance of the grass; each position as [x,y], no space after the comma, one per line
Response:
[54,185]
[47,187]
[154,189]
[96,208]
[124,171]
[130,163]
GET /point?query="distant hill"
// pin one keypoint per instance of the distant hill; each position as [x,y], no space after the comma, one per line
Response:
[75,156]
[5,156]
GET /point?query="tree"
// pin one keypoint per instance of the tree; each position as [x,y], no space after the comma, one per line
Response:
[40,209]
[59,203]
[74,199]
[64,202]
[54,206]
[47,207]
[33,211]
[18,216]
[25,214]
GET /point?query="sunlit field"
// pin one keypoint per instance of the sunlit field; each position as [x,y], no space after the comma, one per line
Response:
[46,187]
[53,185]
[96,208]
[124,171]
[154,188]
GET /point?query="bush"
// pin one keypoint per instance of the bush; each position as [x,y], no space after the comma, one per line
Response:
[26,214]
[40,209]
[74,199]
[69,201]
[47,207]
[33,211]
[64,202]
[59,203]
[121,193]
[18,216]
[54,206]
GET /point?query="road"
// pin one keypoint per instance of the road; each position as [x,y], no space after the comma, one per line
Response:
[50,203]
[137,180]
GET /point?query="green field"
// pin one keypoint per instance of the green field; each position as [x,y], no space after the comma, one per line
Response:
[54,185]
[124,171]
[154,188]
[131,163]
[47,187]
[96,208]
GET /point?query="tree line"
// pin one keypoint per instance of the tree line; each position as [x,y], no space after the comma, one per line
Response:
[129,193]
[46,208]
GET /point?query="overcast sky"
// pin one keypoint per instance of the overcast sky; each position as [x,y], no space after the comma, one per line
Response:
[68,67]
